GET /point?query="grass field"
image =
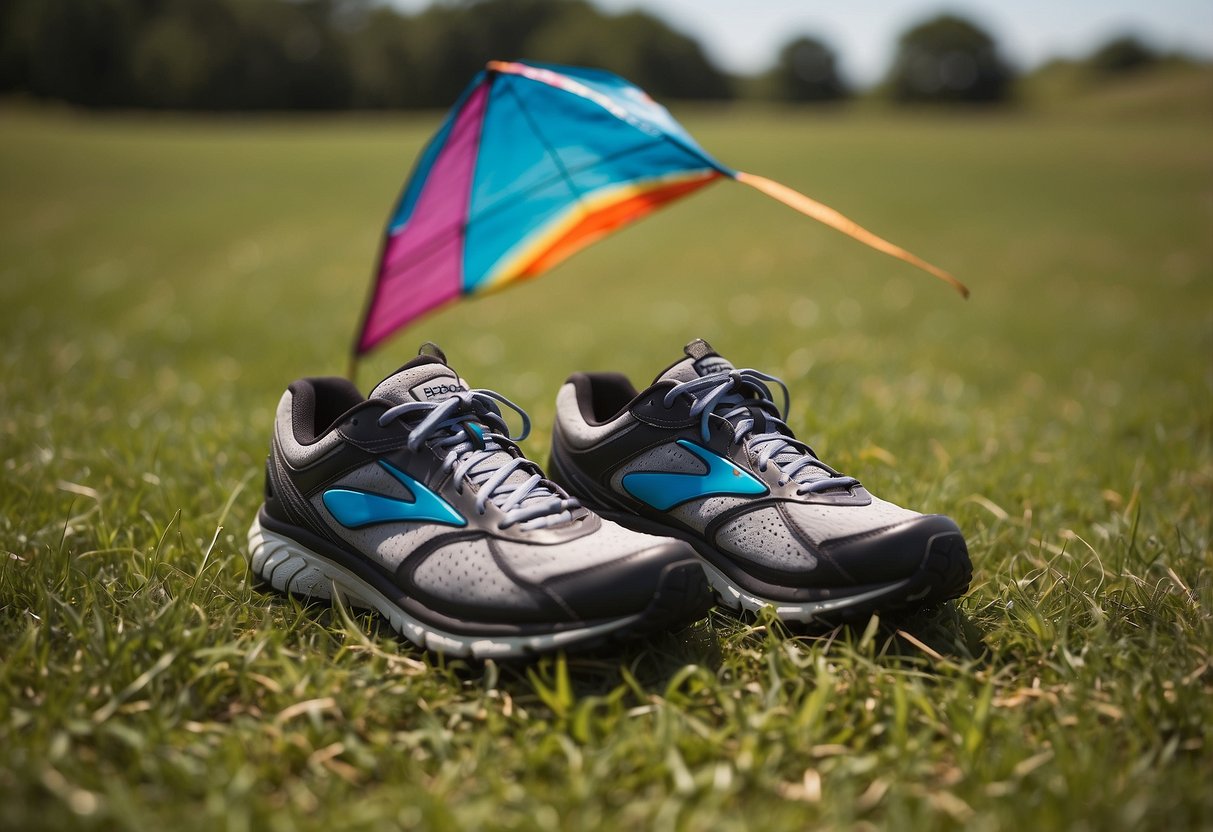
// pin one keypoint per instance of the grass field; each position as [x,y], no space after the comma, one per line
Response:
[161,280]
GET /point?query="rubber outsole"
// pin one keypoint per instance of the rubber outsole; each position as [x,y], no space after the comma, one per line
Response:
[682,596]
[943,574]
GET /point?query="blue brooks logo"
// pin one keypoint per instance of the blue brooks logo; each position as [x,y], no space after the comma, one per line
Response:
[355,509]
[663,490]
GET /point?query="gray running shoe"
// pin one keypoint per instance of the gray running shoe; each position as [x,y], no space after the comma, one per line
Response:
[417,503]
[704,455]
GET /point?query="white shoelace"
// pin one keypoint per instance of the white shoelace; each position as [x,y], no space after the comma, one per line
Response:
[742,398]
[469,426]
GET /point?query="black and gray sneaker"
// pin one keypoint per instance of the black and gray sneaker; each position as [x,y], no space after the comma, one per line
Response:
[417,503]
[704,455]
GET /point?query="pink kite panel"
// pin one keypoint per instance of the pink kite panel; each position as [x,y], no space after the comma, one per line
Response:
[422,265]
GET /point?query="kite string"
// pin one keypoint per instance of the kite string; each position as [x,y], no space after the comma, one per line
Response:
[827,215]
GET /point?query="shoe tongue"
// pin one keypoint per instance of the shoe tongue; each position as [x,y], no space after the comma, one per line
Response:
[424,379]
[701,360]
[427,378]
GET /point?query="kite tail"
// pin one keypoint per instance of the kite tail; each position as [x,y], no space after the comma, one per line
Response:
[825,214]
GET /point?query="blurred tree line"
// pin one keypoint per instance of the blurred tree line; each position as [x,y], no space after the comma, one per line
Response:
[321,54]
[948,59]
[342,54]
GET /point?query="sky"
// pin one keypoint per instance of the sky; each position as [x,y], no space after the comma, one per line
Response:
[743,36]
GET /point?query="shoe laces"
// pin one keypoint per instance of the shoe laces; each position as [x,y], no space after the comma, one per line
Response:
[742,398]
[470,432]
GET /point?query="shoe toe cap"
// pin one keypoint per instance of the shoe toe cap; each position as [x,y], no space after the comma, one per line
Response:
[893,552]
[631,583]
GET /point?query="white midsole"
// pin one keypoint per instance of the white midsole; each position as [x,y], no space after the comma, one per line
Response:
[289,566]
[737,598]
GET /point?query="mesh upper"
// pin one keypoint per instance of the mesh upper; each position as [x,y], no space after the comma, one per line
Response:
[763,537]
[670,457]
[698,513]
[819,522]
[388,544]
[610,543]
[465,571]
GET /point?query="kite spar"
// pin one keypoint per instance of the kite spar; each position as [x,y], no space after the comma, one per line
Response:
[533,163]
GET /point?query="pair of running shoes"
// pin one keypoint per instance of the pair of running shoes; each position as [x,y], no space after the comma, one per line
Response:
[418,503]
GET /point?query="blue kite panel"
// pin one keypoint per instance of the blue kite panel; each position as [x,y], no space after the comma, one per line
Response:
[641,109]
[541,140]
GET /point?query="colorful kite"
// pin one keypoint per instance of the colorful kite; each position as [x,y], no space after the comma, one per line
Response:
[533,163]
